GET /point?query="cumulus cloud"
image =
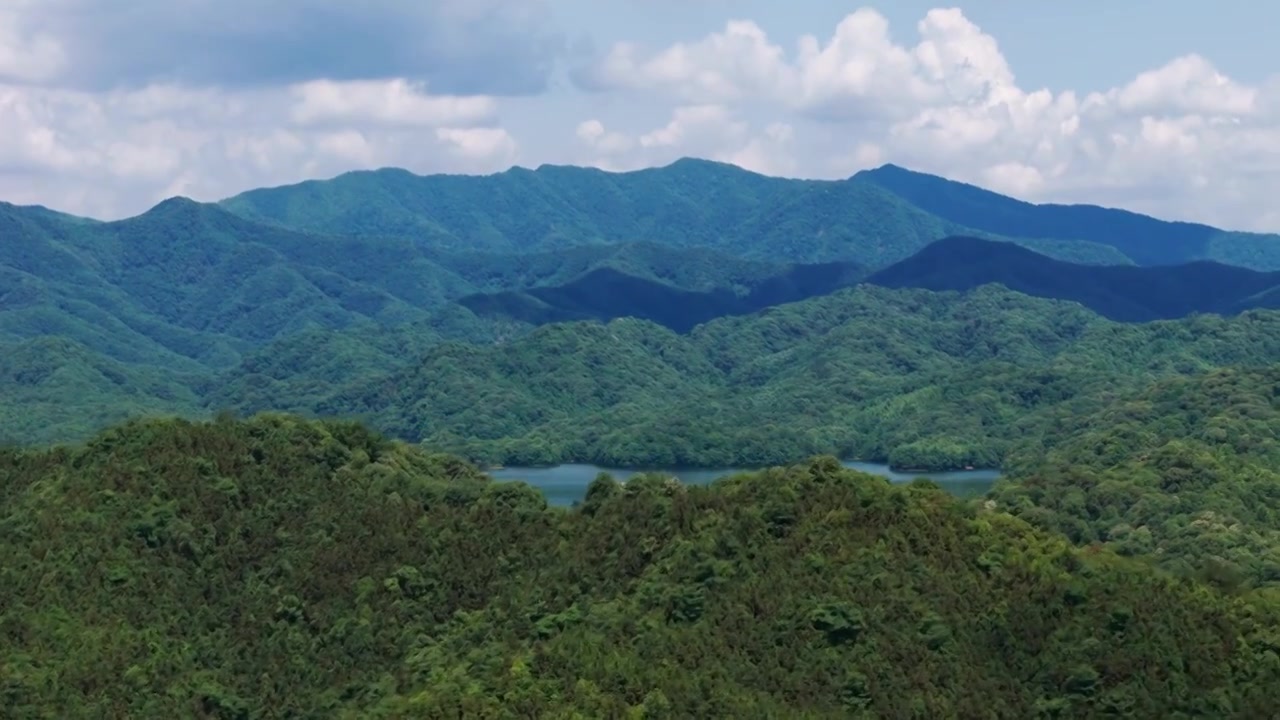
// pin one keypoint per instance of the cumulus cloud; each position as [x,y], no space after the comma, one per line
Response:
[393,101]
[115,153]
[710,131]
[1173,141]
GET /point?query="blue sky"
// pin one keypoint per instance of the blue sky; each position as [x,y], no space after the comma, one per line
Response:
[1170,108]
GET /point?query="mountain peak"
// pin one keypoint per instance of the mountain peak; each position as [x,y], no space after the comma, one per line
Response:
[175,203]
[705,165]
[183,209]
[889,173]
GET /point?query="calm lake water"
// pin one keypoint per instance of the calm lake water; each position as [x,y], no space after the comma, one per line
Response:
[566,484]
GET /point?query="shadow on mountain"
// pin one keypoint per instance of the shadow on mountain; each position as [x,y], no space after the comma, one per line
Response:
[1144,240]
[605,293]
[1122,293]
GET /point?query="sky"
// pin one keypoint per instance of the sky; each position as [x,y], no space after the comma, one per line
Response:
[1168,108]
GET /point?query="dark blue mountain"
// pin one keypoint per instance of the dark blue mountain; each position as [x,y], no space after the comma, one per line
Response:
[1124,293]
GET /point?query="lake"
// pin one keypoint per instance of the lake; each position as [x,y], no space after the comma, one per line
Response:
[567,484]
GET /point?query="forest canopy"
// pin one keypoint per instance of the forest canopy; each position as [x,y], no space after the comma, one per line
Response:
[279,567]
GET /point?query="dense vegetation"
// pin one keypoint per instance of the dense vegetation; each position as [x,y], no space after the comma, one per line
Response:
[187,286]
[690,203]
[1186,473]
[280,568]
[924,380]
[920,379]
[1127,566]
[52,389]
[289,298]
[606,294]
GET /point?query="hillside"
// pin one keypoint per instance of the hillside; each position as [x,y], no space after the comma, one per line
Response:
[923,380]
[53,390]
[300,370]
[240,448]
[605,294]
[190,287]
[190,283]
[191,308]
[1183,473]
[279,568]
[1122,293]
[696,269]
[920,379]
[690,203]
[1146,240]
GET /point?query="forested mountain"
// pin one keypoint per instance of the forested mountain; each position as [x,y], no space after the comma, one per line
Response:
[1185,473]
[53,389]
[696,269]
[190,308]
[1128,565]
[1124,293]
[606,294]
[191,283]
[1144,239]
[921,379]
[191,287]
[690,203]
[280,568]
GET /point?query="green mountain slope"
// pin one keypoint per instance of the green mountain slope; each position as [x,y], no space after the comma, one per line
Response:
[187,285]
[191,282]
[55,390]
[924,380]
[690,203]
[695,269]
[277,568]
[1184,473]
[605,294]
[298,371]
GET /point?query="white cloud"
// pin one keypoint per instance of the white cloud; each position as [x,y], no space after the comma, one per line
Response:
[694,125]
[484,145]
[1186,85]
[385,101]
[592,133]
[709,131]
[27,55]
[1171,142]
[116,153]
[731,65]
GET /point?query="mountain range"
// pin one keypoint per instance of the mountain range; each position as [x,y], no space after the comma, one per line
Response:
[341,553]
[278,298]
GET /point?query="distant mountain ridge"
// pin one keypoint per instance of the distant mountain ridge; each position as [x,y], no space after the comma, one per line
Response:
[194,302]
[875,217]
[689,203]
[191,286]
[1123,293]
[1146,240]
